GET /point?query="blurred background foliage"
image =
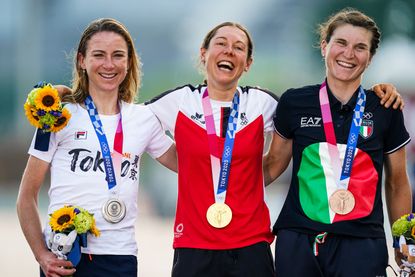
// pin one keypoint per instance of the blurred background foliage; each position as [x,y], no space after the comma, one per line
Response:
[38,39]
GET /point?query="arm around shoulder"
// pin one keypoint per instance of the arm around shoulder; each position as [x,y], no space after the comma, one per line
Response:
[169,158]
[389,96]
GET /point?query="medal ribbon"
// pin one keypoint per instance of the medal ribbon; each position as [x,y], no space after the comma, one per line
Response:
[342,177]
[115,161]
[220,171]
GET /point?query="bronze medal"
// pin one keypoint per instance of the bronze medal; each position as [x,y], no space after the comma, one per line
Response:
[342,201]
[114,210]
[219,215]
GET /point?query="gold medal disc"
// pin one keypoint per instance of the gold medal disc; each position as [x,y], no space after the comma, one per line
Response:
[342,201]
[219,215]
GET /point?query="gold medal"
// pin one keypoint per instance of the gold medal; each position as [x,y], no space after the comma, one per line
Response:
[342,201]
[114,210]
[219,215]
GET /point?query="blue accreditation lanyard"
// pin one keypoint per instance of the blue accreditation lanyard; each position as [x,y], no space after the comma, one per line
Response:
[353,135]
[352,138]
[106,153]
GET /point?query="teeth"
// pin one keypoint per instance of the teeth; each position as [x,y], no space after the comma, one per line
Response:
[226,65]
[345,64]
[108,76]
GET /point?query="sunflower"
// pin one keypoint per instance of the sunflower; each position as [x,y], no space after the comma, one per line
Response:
[31,115]
[62,121]
[62,219]
[44,109]
[47,98]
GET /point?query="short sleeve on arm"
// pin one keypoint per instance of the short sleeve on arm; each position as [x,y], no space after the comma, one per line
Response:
[159,142]
[396,136]
[166,107]
[46,156]
[282,117]
[270,105]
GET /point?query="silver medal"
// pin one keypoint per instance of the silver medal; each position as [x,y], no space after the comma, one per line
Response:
[114,210]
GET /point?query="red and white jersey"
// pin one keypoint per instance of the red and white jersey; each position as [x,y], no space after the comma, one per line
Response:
[180,111]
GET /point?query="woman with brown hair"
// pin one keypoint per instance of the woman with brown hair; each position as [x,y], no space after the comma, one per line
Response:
[222,225]
[340,138]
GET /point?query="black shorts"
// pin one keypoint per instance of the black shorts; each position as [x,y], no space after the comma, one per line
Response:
[105,266]
[254,260]
[338,256]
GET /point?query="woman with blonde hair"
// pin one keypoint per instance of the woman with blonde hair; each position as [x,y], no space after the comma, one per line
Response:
[94,161]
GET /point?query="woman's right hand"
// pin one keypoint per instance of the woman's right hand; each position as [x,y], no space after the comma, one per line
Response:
[54,267]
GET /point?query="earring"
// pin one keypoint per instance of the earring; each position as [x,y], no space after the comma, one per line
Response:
[84,71]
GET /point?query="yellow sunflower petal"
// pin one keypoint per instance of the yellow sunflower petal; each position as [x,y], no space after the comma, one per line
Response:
[31,115]
[47,99]
[62,219]
[62,121]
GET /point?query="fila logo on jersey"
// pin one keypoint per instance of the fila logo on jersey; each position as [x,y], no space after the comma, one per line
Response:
[81,135]
[310,121]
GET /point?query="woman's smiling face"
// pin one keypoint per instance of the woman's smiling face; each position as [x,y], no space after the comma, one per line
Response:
[105,61]
[347,54]
[226,58]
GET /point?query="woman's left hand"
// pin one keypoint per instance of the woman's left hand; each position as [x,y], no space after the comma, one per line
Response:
[389,96]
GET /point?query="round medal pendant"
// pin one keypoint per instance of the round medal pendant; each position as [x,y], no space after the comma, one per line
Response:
[219,215]
[114,210]
[342,201]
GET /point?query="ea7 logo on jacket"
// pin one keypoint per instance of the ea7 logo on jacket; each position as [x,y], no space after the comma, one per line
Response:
[310,121]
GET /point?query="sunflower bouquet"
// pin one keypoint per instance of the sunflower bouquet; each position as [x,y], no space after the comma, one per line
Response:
[70,226]
[44,109]
[403,232]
